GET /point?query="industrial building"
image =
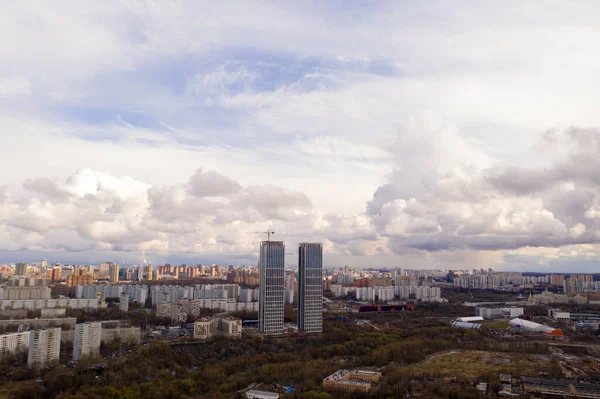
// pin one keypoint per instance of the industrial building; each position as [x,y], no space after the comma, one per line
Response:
[352,380]
[560,388]
[470,319]
[530,326]
[466,325]
[255,394]
[557,314]
[499,313]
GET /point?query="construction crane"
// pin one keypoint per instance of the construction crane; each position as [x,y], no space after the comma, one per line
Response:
[268,233]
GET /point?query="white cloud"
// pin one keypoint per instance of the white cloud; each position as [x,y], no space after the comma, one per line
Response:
[456,94]
[14,87]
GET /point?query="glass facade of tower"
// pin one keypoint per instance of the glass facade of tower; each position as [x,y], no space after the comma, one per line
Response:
[272,293]
[310,287]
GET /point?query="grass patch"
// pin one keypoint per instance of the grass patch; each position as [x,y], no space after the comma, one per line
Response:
[495,324]
[474,364]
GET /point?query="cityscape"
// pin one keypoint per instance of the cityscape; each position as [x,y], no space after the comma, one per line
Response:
[299,200]
[84,317]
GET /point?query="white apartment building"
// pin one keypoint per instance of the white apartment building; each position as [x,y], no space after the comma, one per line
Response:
[124,302]
[34,304]
[44,347]
[13,343]
[25,292]
[87,340]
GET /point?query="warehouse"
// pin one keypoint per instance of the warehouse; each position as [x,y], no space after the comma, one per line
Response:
[530,326]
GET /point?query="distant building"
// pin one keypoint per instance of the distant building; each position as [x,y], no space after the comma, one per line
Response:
[128,335]
[219,325]
[271,266]
[21,269]
[256,394]
[113,272]
[44,347]
[13,343]
[310,287]
[352,380]
[124,302]
[104,269]
[499,313]
[74,280]
[24,292]
[87,340]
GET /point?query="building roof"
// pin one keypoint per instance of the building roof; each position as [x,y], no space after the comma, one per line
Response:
[263,393]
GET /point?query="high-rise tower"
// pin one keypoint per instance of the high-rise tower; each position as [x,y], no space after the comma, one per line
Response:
[113,272]
[271,266]
[310,287]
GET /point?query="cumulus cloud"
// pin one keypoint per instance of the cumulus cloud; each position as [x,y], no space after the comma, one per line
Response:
[211,184]
[209,214]
[467,201]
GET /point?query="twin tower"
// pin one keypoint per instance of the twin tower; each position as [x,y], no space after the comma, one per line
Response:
[272,293]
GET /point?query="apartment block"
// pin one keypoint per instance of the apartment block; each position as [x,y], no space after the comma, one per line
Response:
[227,326]
[13,343]
[44,347]
[87,340]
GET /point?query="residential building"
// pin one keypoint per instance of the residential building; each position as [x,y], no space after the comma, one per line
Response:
[271,304]
[104,269]
[113,271]
[127,335]
[74,280]
[21,269]
[227,326]
[34,324]
[124,302]
[87,340]
[13,343]
[310,287]
[44,347]
[352,380]
[24,292]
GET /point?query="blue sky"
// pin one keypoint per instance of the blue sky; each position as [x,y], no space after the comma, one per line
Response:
[409,134]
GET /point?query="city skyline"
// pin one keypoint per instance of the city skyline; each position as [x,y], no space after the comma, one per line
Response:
[448,144]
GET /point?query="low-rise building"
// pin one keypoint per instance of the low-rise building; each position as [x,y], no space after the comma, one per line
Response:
[352,380]
[557,314]
[256,394]
[500,313]
[219,325]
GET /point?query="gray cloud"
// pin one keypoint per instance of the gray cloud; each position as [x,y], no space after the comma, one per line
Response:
[211,184]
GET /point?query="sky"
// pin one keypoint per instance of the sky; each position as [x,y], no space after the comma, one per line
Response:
[414,134]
